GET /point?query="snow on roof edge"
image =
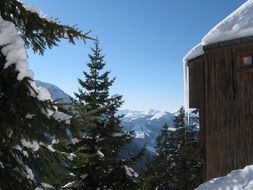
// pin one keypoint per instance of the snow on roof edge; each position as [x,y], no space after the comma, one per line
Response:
[194,52]
[237,25]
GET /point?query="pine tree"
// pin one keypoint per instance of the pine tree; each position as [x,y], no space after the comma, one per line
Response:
[27,115]
[158,173]
[162,140]
[178,164]
[187,170]
[96,84]
[154,174]
[103,140]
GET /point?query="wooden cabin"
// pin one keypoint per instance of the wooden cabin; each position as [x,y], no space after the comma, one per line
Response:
[220,85]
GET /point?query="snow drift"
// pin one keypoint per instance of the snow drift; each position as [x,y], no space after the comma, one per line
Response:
[236,180]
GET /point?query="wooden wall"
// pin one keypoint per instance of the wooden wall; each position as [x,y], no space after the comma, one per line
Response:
[228,109]
[196,81]
[197,97]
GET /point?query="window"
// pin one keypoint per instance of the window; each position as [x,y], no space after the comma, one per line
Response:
[244,60]
[247,60]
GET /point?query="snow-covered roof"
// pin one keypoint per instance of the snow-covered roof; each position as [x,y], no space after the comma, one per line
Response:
[238,24]
[236,180]
[194,52]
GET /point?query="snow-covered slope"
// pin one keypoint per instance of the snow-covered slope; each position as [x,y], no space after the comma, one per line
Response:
[236,180]
[56,93]
[145,124]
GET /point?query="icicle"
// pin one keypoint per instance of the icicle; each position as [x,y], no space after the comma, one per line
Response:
[193,53]
[186,91]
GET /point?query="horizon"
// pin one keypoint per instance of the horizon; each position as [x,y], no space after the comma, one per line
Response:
[144,111]
[144,49]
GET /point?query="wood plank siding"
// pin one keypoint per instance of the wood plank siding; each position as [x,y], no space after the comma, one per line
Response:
[196,81]
[225,102]
[197,97]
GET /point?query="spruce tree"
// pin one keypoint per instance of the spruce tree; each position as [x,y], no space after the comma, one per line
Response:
[177,165]
[158,173]
[27,115]
[103,140]
[188,163]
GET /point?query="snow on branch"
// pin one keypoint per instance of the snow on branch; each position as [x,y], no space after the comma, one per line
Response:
[130,172]
[14,50]
[62,117]
[39,12]
[37,35]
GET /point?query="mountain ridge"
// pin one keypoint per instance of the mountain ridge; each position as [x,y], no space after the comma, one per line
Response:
[146,121]
[145,125]
[57,94]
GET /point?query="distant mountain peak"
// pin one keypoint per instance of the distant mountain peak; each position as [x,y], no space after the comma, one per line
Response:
[158,115]
[56,93]
[151,112]
[146,124]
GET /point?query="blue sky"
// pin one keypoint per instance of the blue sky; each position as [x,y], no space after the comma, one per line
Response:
[144,42]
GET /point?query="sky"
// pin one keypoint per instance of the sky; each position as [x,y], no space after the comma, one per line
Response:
[144,42]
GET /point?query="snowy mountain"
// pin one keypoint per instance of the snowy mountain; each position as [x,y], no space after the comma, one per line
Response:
[56,93]
[145,124]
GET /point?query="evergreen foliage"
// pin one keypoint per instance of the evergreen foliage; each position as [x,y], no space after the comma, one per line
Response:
[26,158]
[17,130]
[103,139]
[177,165]
[38,31]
